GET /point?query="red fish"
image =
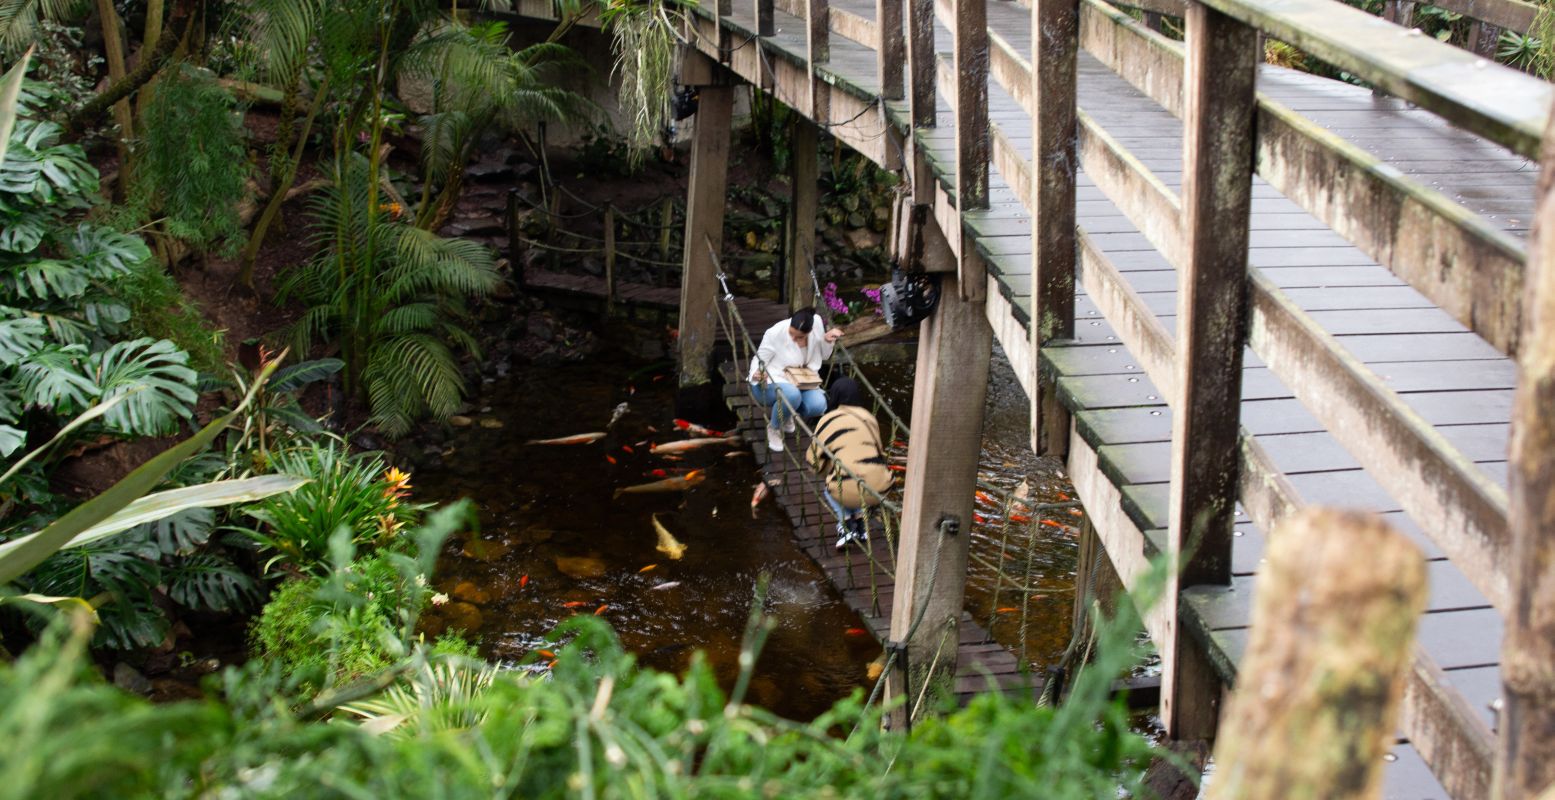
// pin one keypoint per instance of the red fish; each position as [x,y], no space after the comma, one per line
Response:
[524,581]
[979,518]
[896,467]
[856,632]
[548,654]
[1051,524]
[1019,518]
[611,459]
[1008,610]
[984,496]
[575,604]
[627,448]
[601,609]
[658,473]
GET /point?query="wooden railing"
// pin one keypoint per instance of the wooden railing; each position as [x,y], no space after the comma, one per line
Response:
[1468,267]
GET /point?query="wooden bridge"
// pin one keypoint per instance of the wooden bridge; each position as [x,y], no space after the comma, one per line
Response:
[1229,289]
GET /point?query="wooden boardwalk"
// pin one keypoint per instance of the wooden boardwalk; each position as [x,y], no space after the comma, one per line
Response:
[981,662]
[758,314]
[1120,449]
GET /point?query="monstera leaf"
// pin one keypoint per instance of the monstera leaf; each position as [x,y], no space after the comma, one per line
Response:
[159,371]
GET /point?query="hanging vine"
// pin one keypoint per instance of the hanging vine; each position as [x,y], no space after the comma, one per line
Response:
[645,38]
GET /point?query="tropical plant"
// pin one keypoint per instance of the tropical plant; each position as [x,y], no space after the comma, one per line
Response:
[645,38]
[354,493]
[191,165]
[274,420]
[60,309]
[393,295]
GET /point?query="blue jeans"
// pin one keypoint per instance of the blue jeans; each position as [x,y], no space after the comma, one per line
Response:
[843,514]
[810,403]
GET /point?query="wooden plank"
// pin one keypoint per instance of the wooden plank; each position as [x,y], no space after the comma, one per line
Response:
[1514,14]
[970,52]
[1454,741]
[1453,256]
[766,25]
[1053,83]
[891,50]
[947,421]
[921,61]
[1152,208]
[1462,510]
[1147,60]
[1501,104]
[817,24]
[1525,760]
[704,232]
[1217,196]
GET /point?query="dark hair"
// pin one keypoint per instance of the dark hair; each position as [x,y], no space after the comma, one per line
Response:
[803,319]
[844,391]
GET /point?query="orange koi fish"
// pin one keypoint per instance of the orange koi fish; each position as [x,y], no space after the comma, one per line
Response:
[1019,518]
[524,581]
[759,495]
[855,632]
[984,496]
[695,429]
[611,459]
[548,654]
[896,467]
[627,448]
[677,484]
[1051,524]
[575,604]
[601,609]
[581,438]
[1008,610]
[648,568]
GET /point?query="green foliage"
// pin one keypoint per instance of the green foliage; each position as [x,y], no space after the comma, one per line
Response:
[394,296]
[22,21]
[645,34]
[191,166]
[353,493]
[160,309]
[62,282]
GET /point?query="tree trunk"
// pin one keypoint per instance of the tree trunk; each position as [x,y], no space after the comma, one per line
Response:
[113,51]
[278,196]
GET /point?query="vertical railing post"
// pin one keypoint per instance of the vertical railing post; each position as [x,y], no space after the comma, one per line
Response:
[1525,759]
[818,49]
[805,177]
[1484,39]
[970,54]
[890,51]
[610,259]
[1055,27]
[514,263]
[765,26]
[1211,334]
[920,63]
[705,196]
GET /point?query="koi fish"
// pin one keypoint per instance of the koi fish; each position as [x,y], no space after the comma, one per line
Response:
[548,654]
[979,518]
[524,581]
[617,414]
[984,496]
[689,444]
[676,484]
[581,438]
[855,632]
[737,454]
[668,545]
[627,448]
[1063,496]
[1075,512]
[896,467]
[658,473]
[695,429]
[652,429]
[601,609]
[575,604]
[665,585]
[551,664]
[610,458]
[1051,523]
[674,458]
[1008,610]
[759,495]
[1019,518]
[648,568]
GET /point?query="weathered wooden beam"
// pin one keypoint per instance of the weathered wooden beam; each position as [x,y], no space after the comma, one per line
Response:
[921,61]
[1399,12]
[1525,762]
[1456,503]
[969,35]
[765,24]
[1465,265]
[1149,61]
[1514,14]
[804,175]
[1496,102]
[1173,8]
[1012,71]
[947,423]
[1451,737]
[817,22]
[1320,685]
[704,228]
[891,50]
[1148,203]
[1051,84]
[1211,326]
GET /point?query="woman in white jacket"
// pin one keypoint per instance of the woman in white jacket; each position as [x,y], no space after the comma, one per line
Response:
[789,343]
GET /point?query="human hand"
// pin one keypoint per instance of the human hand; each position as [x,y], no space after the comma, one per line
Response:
[833,335]
[761,376]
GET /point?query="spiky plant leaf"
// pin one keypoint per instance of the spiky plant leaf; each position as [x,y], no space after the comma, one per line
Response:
[415,364]
[10,94]
[158,370]
[45,279]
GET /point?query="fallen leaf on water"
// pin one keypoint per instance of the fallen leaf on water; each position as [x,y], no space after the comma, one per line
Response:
[873,670]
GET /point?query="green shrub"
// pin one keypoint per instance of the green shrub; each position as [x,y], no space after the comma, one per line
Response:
[160,309]
[347,492]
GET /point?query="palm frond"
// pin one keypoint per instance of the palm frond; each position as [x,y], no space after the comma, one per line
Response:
[19,19]
[281,32]
[412,372]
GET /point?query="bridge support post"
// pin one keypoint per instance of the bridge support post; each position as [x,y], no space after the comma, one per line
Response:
[1525,758]
[1054,55]
[1211,335]
[704,233]
[947,424]
[804,170]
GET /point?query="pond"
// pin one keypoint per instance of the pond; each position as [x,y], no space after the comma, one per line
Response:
[556,540]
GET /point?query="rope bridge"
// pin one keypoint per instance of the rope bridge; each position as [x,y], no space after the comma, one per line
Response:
[788,473]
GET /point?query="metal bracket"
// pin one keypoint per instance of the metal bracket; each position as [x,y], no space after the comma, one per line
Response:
[949,525]
[728,295]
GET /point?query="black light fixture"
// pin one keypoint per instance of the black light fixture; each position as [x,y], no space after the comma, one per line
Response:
[909,298]
[685,103]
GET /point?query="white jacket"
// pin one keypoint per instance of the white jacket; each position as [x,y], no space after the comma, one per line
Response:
[778,351]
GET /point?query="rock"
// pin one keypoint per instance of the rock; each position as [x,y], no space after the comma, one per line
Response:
[166,690]
[592,266]
[489,172]
[880,219]
[849,202]
[541,327]
[459,616]
[483,226]
[470,593]
[864,239]
[580,566]
[489,423]
[366,440]
[536,534]
[129,679]
[487,551]
[460,421]
[856,220]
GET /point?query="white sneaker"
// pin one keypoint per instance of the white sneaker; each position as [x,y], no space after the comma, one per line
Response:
[788,424]
[774,440]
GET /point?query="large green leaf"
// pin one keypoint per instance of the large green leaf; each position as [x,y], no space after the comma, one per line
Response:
[158,374]
[10,88]
[153,507]
[15,562]
[297,376]
[86,416]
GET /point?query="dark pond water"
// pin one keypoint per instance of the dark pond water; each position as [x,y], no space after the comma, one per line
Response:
[555,541]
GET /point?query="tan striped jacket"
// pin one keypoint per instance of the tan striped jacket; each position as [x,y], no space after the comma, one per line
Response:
[853,435]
